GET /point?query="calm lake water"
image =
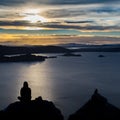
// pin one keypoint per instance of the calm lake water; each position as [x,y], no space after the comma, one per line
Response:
[67,81]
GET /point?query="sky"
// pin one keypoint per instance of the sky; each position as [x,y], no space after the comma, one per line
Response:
[44,22]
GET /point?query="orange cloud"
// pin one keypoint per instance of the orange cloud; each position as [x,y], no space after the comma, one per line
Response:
[25,39]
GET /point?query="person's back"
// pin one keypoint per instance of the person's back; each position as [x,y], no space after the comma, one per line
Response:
[25,93]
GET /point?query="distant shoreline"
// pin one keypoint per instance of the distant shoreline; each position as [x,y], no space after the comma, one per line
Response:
[12,50]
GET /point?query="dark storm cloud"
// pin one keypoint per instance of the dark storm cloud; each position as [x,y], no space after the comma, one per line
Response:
[14,23]
[79,21]
[73,12]
[4,14]
[89,27]
[58,25]
[11,2]
[106,10]
[52,2]
[60,13]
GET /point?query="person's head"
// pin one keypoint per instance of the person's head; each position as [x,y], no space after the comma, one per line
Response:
[25,84]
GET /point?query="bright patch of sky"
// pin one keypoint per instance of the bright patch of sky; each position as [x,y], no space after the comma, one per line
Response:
[61,17]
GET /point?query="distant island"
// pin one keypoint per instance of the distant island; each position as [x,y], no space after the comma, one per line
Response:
[71,54]
[101,55]
[22,58]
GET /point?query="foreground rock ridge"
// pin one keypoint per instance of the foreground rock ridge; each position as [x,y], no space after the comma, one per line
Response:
[38,108]
[97,108]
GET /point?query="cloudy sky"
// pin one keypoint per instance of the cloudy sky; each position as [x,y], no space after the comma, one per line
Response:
[59,21]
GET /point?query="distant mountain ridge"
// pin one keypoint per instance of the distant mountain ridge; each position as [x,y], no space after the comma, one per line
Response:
[9,50]
[61,48]
[74,47]
[68,45]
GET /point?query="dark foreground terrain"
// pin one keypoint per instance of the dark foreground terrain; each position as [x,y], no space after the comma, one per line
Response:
[97,108]
[37,109]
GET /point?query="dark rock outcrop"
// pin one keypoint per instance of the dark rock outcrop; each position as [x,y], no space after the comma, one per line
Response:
[101,56]
[22,58]
[97,108]
[37,109]
[69,54]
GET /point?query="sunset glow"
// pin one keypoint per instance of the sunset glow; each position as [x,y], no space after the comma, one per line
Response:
[53,18]
[33,16]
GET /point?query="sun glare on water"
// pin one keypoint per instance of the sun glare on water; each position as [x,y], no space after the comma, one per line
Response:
[33,15]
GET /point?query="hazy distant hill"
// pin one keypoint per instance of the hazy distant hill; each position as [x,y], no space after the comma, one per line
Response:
[77,45]
[74,47]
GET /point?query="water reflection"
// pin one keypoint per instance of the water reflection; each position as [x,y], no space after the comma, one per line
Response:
[65,81]
[40,80]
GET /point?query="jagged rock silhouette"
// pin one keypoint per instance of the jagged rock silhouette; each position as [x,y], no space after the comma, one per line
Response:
[38,108]
[97,108]
[27,108]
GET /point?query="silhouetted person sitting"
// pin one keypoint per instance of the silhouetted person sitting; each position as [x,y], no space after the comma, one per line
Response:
[25,93]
